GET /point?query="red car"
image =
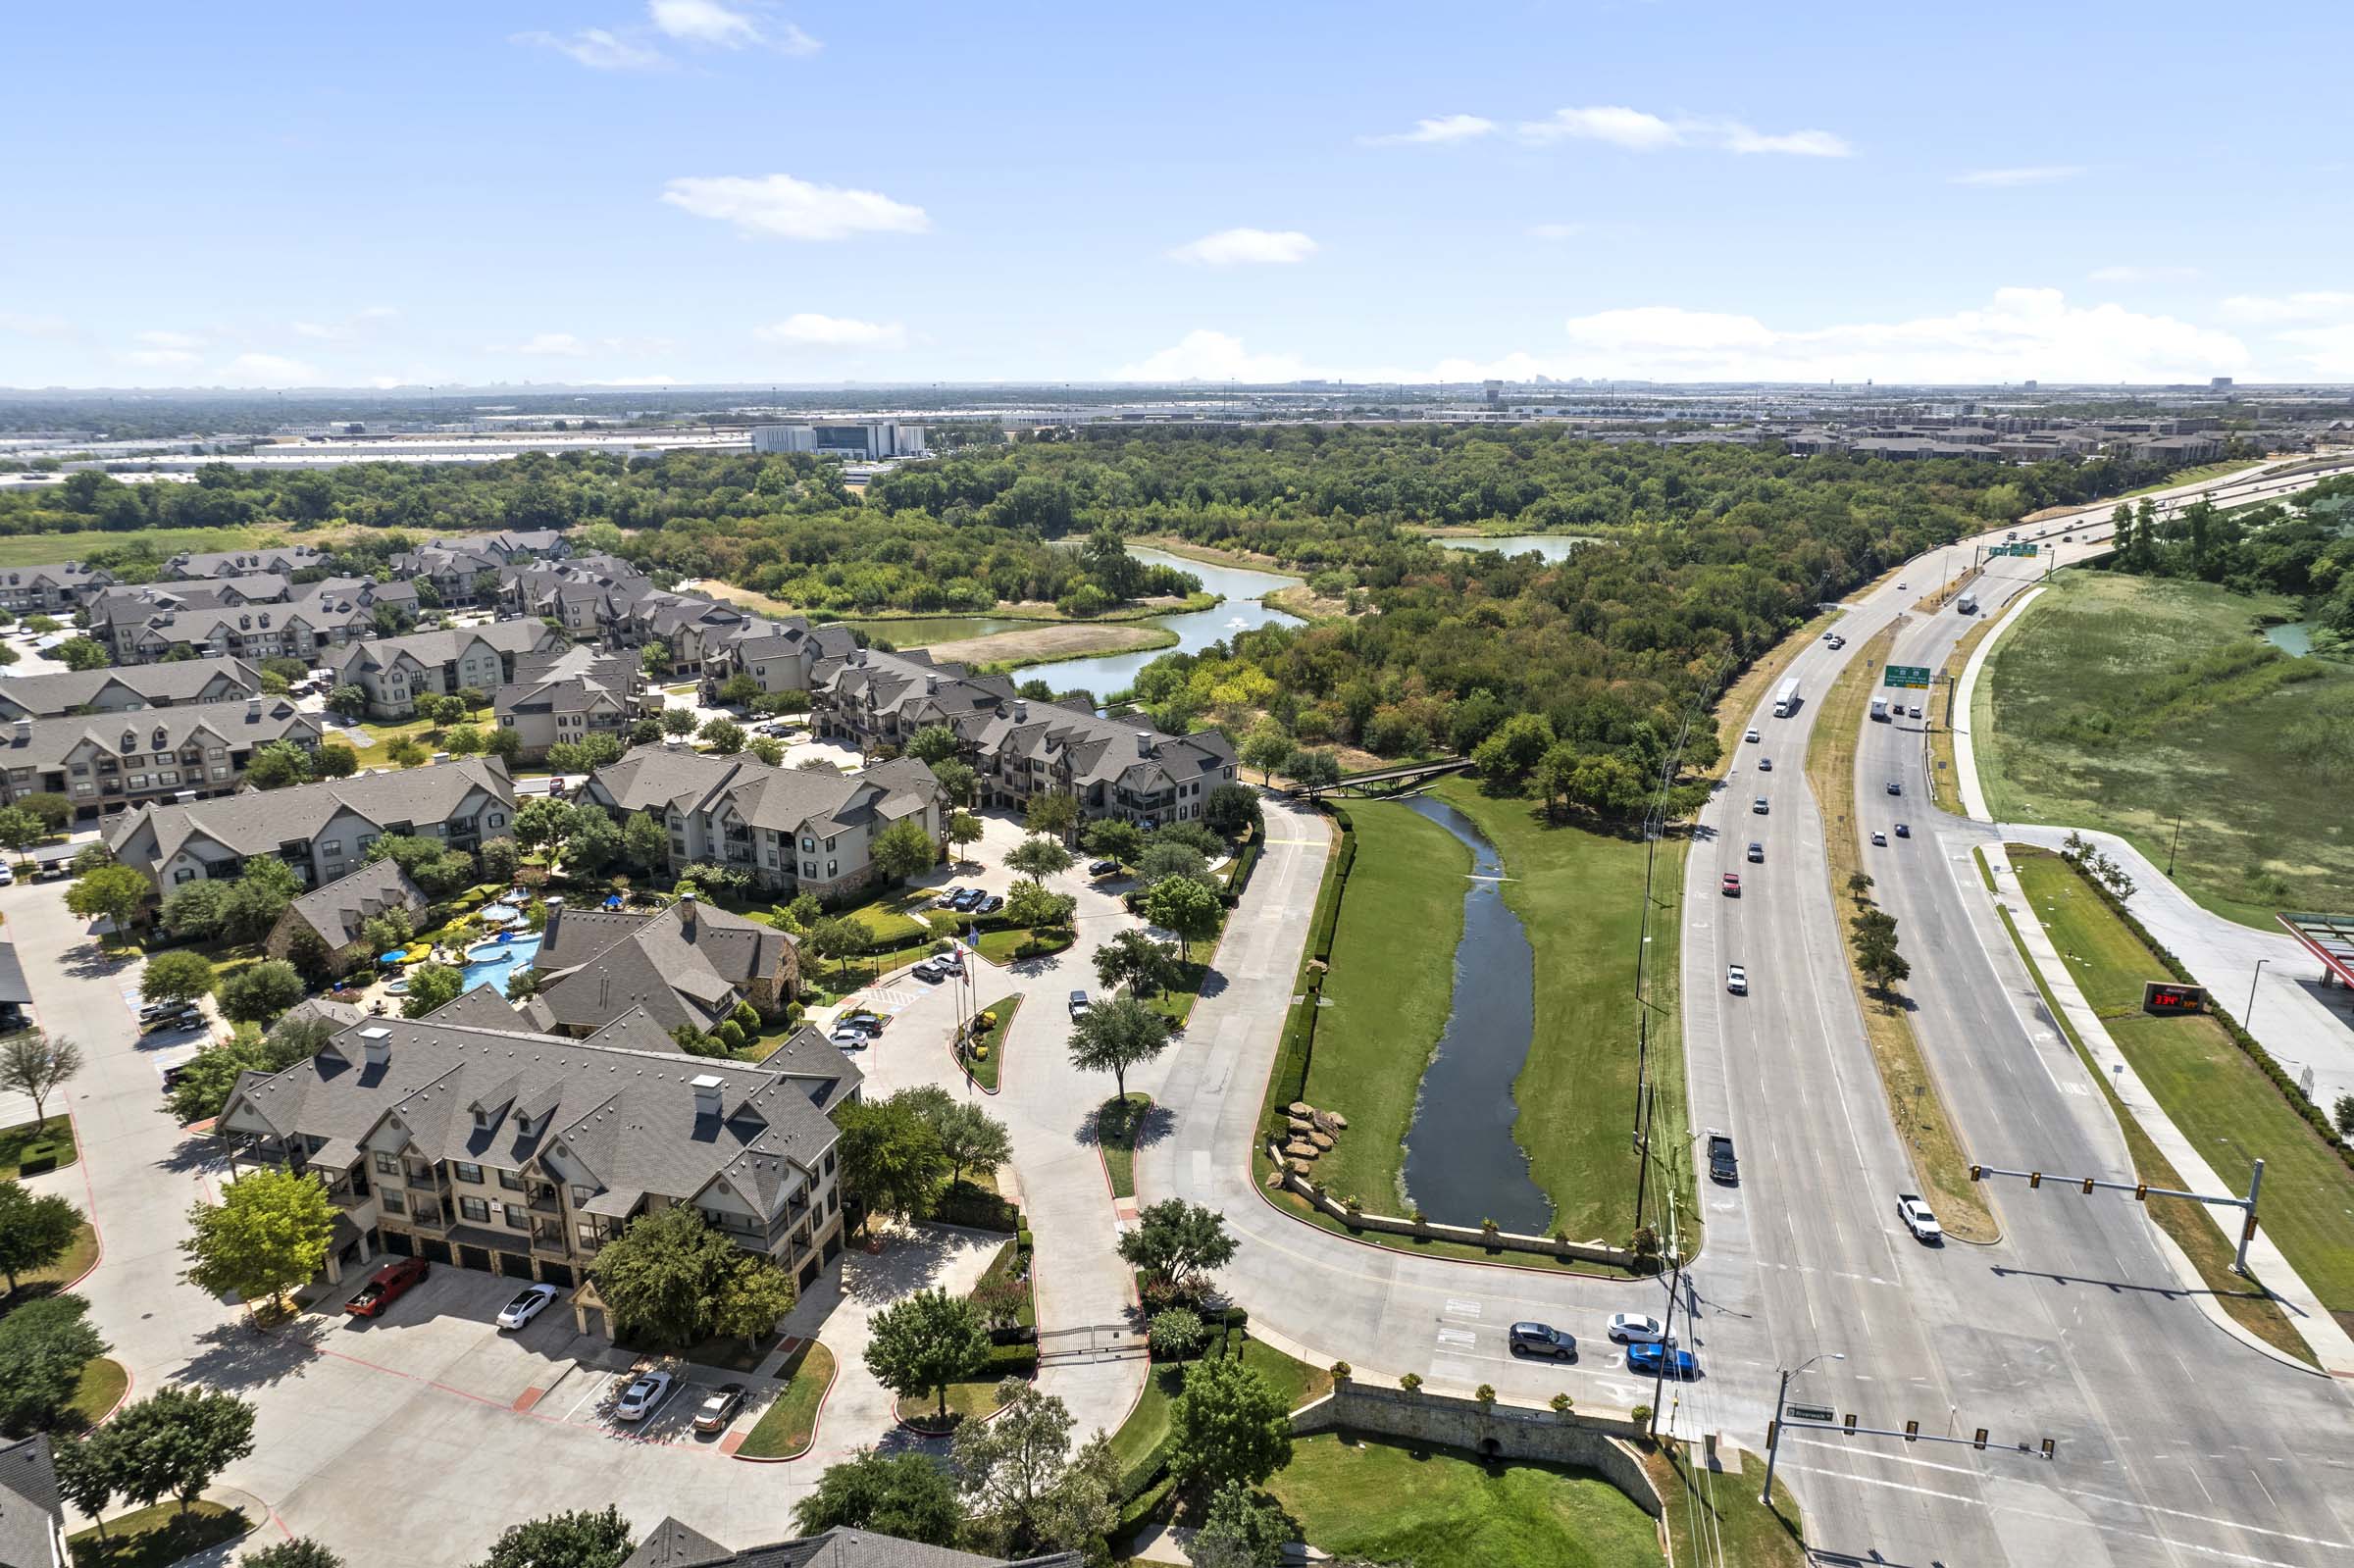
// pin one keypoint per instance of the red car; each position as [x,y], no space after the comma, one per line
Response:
[388,1285]
[1732,884]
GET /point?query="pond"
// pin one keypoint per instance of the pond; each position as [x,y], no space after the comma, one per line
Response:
[1551,546]
[923,631]
[1463,1165]
[498,961]
[2294,639]
[1239,587]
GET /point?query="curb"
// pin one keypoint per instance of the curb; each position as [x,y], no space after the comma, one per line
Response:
[816,1423]
[1106,1165]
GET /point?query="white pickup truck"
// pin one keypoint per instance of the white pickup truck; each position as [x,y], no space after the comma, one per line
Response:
[1917,1217]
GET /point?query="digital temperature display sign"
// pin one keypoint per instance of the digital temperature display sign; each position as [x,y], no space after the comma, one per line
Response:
[2164,997]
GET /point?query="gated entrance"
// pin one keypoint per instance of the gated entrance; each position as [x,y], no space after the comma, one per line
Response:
[1097,1341]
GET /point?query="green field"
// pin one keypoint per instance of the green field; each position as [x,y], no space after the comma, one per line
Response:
[1149,1423]
[2207,1085]
[1380,1500]
[45,549]
[2127,703]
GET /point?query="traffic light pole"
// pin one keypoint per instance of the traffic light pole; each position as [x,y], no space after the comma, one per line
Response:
[1911,1432]
[2142,1191]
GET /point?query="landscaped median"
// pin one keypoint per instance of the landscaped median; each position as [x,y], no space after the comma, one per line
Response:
[986,1060]
[1118,1121]
[1005,1300]
[788,1426]
[157,1536]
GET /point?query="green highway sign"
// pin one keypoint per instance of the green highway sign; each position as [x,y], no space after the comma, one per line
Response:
[1908,675]
[2013,549]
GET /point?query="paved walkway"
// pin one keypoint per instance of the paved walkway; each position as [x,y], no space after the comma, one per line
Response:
[2330,1343]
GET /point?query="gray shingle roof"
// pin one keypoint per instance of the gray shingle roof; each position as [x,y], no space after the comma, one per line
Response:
[659,779]
[254,824]
[240,725]
[510,637]
[338,910]
[595,964]
[672,1544]
[181,680]
[30,1508]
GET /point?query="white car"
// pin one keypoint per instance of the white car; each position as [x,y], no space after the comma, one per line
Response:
[1918,1219]
[530,1304]
[1736,979]
[644,1396]
[1751,737]
[1633,1328]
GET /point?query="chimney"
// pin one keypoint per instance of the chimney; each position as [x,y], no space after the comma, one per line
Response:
[706,1095]
[931,683]
[23,732]
[686,913]
[1144,744]
[1021,710]
[253,710]
[377,1045]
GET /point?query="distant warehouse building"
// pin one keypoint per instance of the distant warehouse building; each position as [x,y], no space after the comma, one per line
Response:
[866,439]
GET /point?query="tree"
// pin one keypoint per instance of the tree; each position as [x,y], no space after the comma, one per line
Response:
[504,744]
[175,975]
[334,761]
[925,1343]
[970,1139]
[82,653]
[645,843]
[656,660]
[194,911]
[404,752]
[1227,1425]
[266,1236]
[963,829]
[591,752]
[299,1553]
[907,1496]
[253,903]
[36,1065]
[88,1473]
[891,1158]
[1121,1033]
[1134,960]
[768,748]
[595,844]
[1177,1334]
[21,830]
[955,781]
[35,1230]
[740,690]
[1013,1466]
[749,1298]
[1240,1531]
[54,810]
[430,987]
[463,741]
[542,822]
[206,1077]
[580,1538]
[1051,812]
[1161,861]
[1029,903]
[1872,934]
[1189,908]
[115,893]
[1178,1241]
[678,721]
[1110,838]
[43,1347]
[1231,809]
[903,850]
[934,743]
[1314,771]
[1040,858]
[261,992]
[660,1278]
[473,699]
[176,1440]
[2342,1114]
[723,736]
[278,765]
[437,870]
[1266,748]
[349,703]
[1193,834]
[389,931]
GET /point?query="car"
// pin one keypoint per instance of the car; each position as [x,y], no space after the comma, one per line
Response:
[53,870]
[1651,1361]
[1895,788]
[1542,1339]
[1103,867]
[951,898]
[530,1304]
[2067,539]
[1736,979]
[1838,642]
[167,1022]
[172,1074]
[8,877]
[1901,586]
[1634,1328]
[1756,851]
[1919,1220]
[929,971]
[643,1397]
[1080,1005]
[851,1040]
[972,899]
[719,1407]
[387,1285]
[1904,830]
[1764,765]
[864,1022]
[1880,839]
[1912,713]
[1730,882]
[990,905]
[154,1010]
[1752,737]
[1758,806]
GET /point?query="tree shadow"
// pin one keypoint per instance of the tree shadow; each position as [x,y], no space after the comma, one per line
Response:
[237,1355]
[89,961]
[909,1260]
[195,1152]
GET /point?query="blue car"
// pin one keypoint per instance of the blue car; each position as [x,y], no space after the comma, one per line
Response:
[1643,1361]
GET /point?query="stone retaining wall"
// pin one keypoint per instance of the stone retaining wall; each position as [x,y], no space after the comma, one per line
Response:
[1467,1235]
[1514,1431]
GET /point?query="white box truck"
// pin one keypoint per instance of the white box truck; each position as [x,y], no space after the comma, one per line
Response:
[1785,699]
[1967,604]
[1879,709]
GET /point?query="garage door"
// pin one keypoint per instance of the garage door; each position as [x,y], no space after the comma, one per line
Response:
[400,1243]
[432,1248]
[474,1257]
[809,1273]
[515,1265]
[555,1274]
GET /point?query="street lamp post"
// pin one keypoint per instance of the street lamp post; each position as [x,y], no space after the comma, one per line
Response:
[2247,1014]
[1773,1443]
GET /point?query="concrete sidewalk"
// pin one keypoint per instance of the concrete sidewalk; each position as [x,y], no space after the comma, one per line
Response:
[2330,1343]
[1966,750]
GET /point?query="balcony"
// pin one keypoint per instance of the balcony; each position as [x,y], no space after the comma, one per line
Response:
[544,1201]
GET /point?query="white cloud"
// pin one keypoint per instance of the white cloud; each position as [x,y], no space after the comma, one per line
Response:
[1638,131]
[2326,353]
[266,369]
[1446,127]
[350,328]
[2021,332]
[2313,305]
[556,345]
[2036,174]
[1244,247]
[1206,356]
[2140,274]
[723,27]
[793,209]
[808,329]
[595,48]
[172,340]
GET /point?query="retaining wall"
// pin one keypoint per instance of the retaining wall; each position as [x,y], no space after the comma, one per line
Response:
[1467,1235]
[1592,1442]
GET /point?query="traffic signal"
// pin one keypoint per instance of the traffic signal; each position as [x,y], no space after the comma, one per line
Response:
[2088,1187]
[1851,1421]
[2036,1179]
[1978,1173]
[1912,1432]
[2141,1191]
[1979,1442]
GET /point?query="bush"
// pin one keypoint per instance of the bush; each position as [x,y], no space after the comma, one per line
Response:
[979,1209]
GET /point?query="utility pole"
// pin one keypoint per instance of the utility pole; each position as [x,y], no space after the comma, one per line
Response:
[2172,847]
[2250,1012]
[1773,1434]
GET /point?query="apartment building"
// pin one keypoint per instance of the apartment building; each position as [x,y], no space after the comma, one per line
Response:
[673,1544]
[459,569]
[499,1148]
[569,695]
[871,699]
[110,763]
[779,655]
[53,590]
[282,560]
[791,830]
[33,1510]
[396,672]
[689,625]
[228,615]
[127,690]
[688,964]
[321,830]
[338,913]
[586,594]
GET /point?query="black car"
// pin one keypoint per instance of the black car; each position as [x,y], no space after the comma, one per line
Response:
[969,901]
[1543,1339]
[1105,868]
[991,904]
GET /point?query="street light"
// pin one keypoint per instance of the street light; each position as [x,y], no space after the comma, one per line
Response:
[1773,1445]
[2248,1012]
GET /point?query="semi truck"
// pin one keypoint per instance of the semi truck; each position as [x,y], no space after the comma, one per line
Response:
[1879,710]
[1785,699]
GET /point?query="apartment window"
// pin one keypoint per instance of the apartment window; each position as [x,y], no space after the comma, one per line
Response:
[516,1219]
[833,1202]
[498,819]
[177,876]
[829,1162]
[393,1199]
[512,1181]
[466,1171]
[474,1209]
[809,869]
[386,1164]
[581,1195]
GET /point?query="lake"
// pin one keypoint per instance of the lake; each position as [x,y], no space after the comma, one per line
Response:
[1551,546]
[2294,639]
[1240,588]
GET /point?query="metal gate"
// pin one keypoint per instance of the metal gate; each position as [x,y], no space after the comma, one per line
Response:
[1097,1341]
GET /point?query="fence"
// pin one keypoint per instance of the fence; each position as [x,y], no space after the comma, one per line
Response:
[1594,1443]
[1556,1246]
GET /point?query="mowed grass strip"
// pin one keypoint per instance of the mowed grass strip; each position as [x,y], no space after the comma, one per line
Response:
[1388,994]
[2207,1085]
[2129,703]
[1378,1501]
[789,1425]
[1579,897]
[1945,782]
[1915,1108]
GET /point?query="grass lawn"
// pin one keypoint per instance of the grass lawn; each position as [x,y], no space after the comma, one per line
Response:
[789,1425]
[426,734]
[888,918]
[1381,1501]
[986,1067]
[1149,1422]
[158,1536]
[1945,787]
[1725,1507]
[1579,894]
[2127,704]
[2198,476]
[39,549]
[103,1385]
[2219,1100]
[79,1256]
[56,1133]
[1915,1108]
[1021,941]
[1115,1138]
[1388,994]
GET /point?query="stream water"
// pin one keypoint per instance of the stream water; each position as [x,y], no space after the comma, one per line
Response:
[1239,590]
[1551,546]
[1463,1164]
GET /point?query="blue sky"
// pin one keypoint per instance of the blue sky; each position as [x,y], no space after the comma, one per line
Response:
[723,190]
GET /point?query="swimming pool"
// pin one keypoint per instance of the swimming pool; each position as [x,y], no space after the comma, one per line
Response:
[498,960]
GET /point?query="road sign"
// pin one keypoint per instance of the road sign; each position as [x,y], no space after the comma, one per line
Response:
[1812,1412]
[1908,675]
